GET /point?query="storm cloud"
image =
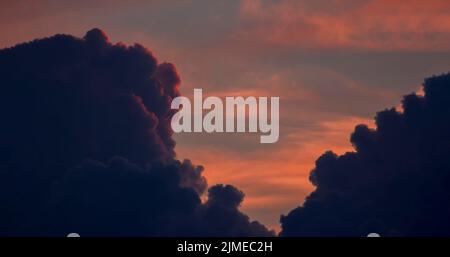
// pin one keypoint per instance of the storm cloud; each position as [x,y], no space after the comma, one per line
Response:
[395,183]
[86,146]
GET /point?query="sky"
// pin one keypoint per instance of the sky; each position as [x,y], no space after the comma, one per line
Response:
[333,64]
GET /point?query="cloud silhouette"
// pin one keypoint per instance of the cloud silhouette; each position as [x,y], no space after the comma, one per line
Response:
[220,213]
[395,183]
[86,145]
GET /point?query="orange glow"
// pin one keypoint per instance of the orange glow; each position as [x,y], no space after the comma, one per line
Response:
[274,181]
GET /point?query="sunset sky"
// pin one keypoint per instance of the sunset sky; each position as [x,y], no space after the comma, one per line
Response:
[333,64]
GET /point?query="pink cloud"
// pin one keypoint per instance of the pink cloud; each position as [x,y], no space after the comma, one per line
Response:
[374,25]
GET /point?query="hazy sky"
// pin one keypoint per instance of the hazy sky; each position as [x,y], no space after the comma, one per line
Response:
[333,64]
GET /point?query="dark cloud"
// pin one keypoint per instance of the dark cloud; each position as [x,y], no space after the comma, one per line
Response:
[220,213]
[120,199]
[397,182]
[86,145]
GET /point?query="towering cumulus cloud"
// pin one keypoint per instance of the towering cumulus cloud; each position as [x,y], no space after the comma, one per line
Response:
[86,146]
[396,183]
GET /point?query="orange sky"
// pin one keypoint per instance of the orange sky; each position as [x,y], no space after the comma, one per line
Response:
[274,180]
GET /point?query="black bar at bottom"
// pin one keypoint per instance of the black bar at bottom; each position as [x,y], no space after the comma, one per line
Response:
[272,246]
